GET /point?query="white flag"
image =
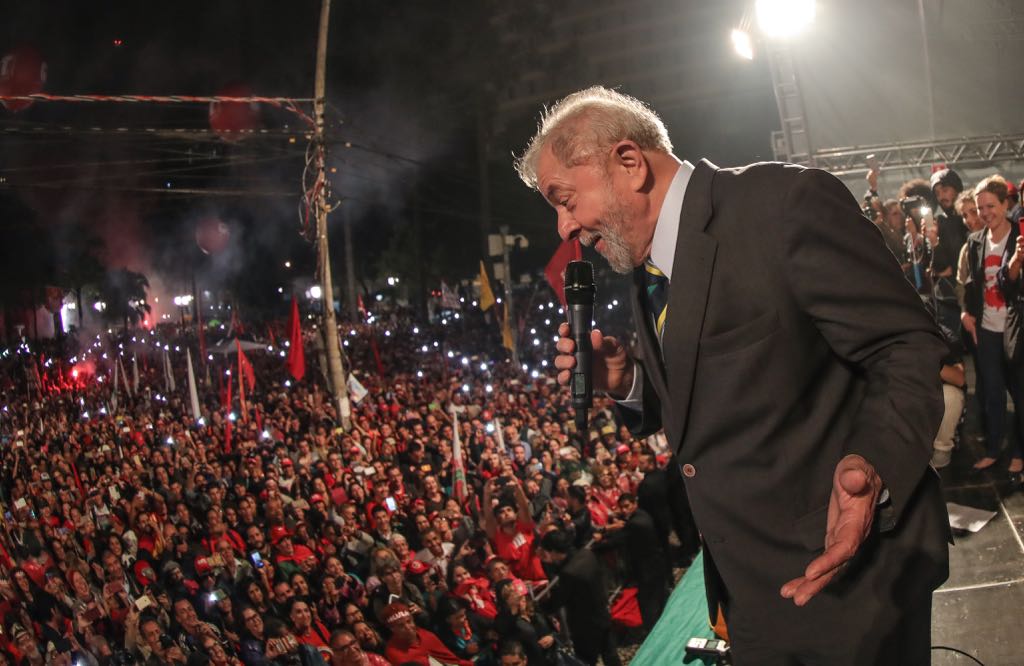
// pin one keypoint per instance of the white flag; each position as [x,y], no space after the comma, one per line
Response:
[193,394]
[170,373]
[449,299]
[355,389]
[135,374]
[499,435]
[113,398]
[124,378]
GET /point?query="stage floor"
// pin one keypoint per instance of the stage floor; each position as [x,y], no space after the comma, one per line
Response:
[979,609]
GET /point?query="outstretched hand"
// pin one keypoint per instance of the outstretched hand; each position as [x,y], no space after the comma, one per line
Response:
[851,511]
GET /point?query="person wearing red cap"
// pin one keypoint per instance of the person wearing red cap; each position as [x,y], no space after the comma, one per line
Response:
[410,644]
[288,555]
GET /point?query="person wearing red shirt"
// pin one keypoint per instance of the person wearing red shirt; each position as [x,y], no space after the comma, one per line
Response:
[509,526]
[410,644]
[289,555]
[307,630]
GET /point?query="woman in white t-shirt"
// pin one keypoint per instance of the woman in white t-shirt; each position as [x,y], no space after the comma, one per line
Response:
[992,317]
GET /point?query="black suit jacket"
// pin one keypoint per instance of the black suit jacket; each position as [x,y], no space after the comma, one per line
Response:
[792,339]
[641,546]
[583,591]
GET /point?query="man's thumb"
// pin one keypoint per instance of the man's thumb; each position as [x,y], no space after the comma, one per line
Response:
[854,481]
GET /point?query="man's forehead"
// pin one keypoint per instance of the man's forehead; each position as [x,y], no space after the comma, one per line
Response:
[551,174]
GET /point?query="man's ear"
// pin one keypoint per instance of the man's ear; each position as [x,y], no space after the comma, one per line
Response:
[627,158]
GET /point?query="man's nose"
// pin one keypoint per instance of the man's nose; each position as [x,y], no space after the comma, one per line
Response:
[567,225]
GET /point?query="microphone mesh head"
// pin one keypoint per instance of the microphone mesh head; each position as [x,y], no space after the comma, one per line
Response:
[579,274]
[579,282]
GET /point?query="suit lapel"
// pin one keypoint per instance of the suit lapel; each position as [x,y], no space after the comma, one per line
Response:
[687,299]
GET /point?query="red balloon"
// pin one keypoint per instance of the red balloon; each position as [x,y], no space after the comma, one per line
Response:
[212,235]
[22,72]
[232,120]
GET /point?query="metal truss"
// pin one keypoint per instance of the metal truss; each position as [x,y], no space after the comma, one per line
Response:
[963,151]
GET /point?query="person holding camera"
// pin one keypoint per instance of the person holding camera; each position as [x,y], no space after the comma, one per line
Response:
[509,525]
[992,315]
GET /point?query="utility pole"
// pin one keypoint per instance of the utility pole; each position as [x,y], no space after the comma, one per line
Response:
[330,332]
[508,297]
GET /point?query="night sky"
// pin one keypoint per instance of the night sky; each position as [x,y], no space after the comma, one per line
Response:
[408,85]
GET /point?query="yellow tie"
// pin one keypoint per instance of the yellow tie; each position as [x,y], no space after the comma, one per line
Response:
[657,295]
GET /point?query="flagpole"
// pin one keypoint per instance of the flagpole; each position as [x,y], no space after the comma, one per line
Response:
[193,394]
[508,296]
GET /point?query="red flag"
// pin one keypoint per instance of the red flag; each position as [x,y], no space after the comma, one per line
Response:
[296,357]
[270,334]
[555,270]
[227,420]
[376,355]
[222,392]
[78,480]
[245,368]
[360,306]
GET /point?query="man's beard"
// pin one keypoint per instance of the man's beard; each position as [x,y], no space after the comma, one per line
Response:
[616,249]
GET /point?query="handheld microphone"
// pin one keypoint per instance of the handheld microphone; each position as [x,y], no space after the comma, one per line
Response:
[579,297]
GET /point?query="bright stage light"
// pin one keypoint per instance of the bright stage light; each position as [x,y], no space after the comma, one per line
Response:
[742,44]
[784,18]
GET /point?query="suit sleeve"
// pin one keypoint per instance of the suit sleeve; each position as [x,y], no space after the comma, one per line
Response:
[872,318]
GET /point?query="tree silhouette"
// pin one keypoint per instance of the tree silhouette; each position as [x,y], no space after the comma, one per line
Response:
[123,294]
[80,266]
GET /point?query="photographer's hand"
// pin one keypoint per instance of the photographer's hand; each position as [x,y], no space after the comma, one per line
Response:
[1013,268]
[872,178]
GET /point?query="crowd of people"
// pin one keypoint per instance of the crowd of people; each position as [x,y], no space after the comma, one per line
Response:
[265,533]
[963,251]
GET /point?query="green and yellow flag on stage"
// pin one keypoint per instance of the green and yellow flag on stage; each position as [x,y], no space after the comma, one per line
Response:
[486,295]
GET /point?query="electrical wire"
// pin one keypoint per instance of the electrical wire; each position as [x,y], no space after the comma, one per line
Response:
[953,649]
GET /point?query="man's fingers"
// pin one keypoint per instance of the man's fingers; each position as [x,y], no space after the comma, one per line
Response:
[563,330]
[563,377]
[801,590]
[835,556]
[565,362]
[566,346]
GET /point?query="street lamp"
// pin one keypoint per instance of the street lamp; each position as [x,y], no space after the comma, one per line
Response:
[742,44]
[784,18]
[777,22]
[183,302]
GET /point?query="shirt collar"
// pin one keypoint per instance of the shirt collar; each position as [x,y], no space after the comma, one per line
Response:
[663,245]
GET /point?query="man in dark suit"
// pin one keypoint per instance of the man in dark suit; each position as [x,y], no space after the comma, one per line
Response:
[792,367]
[663,495]
[634,536]
[578,585]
